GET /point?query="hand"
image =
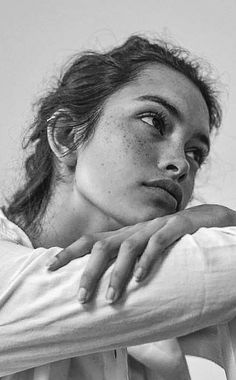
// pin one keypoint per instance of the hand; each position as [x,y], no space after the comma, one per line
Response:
[147,241]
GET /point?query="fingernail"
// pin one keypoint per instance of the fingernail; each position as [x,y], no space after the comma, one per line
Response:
[83,295]
[138,274]
[110,296]
[52,265]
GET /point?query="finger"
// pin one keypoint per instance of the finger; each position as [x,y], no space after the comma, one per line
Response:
[129,251]
[98,263]
[83,246]
[101,256]
[77,249]
[159,241]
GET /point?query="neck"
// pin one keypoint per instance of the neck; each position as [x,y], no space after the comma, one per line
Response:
[68,217]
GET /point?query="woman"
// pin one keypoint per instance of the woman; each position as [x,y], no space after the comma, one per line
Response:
[116,149]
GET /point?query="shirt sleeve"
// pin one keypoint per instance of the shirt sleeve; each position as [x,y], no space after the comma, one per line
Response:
[41,320]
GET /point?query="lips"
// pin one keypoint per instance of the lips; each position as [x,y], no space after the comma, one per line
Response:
[168,185]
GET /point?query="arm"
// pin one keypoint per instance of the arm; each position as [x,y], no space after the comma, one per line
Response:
[141,244]
[42,321]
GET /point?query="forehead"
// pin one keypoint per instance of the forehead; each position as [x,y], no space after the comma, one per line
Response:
[173,86]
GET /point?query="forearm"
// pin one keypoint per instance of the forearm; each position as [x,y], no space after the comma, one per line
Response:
[211,215]
[42,321]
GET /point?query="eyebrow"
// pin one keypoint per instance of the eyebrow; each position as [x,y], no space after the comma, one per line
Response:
[175,112]
[203,139]
[157,99]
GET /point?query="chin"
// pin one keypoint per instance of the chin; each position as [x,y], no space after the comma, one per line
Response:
[144,215]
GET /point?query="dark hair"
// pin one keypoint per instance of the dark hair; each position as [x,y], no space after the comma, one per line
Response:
[81,91]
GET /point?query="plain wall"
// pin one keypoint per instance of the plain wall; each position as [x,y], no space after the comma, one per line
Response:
[37,37]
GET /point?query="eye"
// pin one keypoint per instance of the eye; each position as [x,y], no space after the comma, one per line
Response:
[198,155]
[156,120]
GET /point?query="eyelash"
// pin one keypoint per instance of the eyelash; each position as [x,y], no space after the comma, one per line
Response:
[159,117]
[199,154]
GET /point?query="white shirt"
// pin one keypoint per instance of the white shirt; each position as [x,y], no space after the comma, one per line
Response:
[43,326]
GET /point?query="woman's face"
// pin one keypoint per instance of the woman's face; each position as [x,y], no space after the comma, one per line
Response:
[148,145]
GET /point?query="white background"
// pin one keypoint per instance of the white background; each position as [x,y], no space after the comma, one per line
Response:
[37,37]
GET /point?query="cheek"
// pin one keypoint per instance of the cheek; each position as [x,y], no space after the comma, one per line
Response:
[127,147]
[135,146]
[118,156]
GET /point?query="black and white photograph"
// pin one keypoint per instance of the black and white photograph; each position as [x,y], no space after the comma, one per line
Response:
[117,190]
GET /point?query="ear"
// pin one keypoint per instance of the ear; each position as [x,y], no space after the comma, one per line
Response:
[61,137]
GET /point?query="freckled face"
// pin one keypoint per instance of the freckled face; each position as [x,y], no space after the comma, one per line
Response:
[154,128]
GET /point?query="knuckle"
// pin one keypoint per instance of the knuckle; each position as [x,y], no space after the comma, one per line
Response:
[145,260]
[158,239]
[148,259]
[116,276]
[181,218]
[140,224]
[100,245]
[87,279]
[86,239]
[65,255]
[128,245]
[173,219]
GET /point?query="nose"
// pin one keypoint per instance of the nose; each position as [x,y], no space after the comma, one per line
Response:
[175,167]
